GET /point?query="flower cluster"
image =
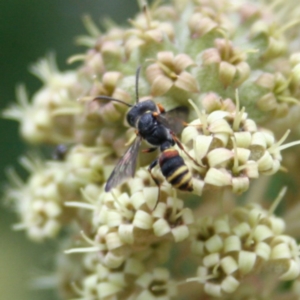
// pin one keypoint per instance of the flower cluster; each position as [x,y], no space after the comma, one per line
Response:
[130,238]
[40,202]
[39,119]
[125,222]
[247,241]
[230,146]
[229,73]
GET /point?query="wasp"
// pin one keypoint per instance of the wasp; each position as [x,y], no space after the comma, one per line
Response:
[151,124]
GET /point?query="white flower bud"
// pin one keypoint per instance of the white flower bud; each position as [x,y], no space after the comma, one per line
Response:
[211,260]
[180,233]
[220,125]
[201,145]
[242,229]
[113,261]
[262,233]
[213,289]
[265,163]
[232,243]
[142,220]
[217,177]
[106,289]
[134,267]
[219,157]
[243,139]
[229,265]
[221,226]
[214,244]
[126,233]
[161,227]
[281,251]
[293,272]
[263,250]
[246,261]
[240,185]
[113,241]
[114,218]
[230,284]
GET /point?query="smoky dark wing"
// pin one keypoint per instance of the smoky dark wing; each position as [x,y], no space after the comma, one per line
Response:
[125,167]
[175,118]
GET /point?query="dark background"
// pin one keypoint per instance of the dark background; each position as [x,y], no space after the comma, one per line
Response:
[28,31]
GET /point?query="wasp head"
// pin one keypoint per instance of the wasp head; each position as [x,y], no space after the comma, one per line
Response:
[138,110]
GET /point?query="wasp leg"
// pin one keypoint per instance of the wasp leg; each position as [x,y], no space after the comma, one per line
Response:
[152,165]
[161,108]
[178,143]
[149,150]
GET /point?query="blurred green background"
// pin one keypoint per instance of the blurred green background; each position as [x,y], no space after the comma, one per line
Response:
[29,30]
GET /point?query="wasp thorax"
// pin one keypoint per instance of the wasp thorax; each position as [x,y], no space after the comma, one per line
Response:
[138,110]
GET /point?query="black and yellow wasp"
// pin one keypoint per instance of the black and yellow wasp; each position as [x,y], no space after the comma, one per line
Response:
[151,124]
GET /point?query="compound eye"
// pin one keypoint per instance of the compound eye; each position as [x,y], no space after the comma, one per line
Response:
[132,116]
[130,120]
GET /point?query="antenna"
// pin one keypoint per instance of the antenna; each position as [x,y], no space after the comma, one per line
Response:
[137,75]
[112,99]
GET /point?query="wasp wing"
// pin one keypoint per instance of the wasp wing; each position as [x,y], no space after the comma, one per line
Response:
[174,118]
[125,167]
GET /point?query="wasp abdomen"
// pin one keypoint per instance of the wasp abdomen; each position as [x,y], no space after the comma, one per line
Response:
[175,170]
